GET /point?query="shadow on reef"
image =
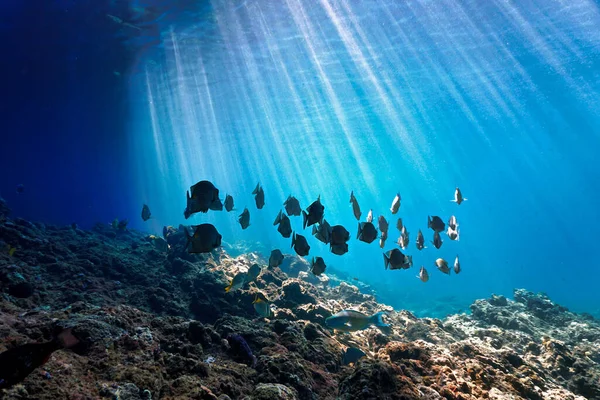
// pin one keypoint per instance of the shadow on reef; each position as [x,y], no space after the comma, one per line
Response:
[156,323]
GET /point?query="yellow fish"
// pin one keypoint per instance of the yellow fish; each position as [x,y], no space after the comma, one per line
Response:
[11,250]
[262,307]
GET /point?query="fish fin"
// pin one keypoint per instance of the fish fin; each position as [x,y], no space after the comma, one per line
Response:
[228,288]
[304,219]
[293,239]
[359,231]
[278,219]
[314,229]
[255,191]
[351,196]
[386,260]
[12,250]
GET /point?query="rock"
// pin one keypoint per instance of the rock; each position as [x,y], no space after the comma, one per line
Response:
[274,391]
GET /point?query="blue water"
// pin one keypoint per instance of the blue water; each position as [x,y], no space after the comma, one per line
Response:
[310,98]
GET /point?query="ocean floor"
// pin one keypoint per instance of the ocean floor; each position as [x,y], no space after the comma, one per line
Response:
[153,323]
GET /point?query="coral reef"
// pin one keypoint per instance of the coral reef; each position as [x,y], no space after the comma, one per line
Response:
[154,323]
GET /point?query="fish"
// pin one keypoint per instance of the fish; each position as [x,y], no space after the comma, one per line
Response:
[285,227]
[352,321]
[115,223]
[201,197]
[339,249]
[423,274]
[352,355]
[453,234]
[244,218]
[420,240]
[276,258]
[370,216]
[122,225]
[339,235]
[292,206]
[395,204]
[11,250]
[259,197]
[437,240]
[17,363]
[262,307]
[394,259]
[253,273]
[399,224]
[158,242]
[383,224]
[313,214]
[355,206]
[146,212]
[228,203]
[366,232]
[458,197]
[408,262]
[205,239]
[442,265]
[237,282]
[382,239]
[168,231]
[453,223]
[322,232]
[403,240]
[435,223]
[240,348]
[317,266]
[300,245]
[20,188]
[457,265]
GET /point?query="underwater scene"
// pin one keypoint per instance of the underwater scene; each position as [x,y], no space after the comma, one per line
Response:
[299,199]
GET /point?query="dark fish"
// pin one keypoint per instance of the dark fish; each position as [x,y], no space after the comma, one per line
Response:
[205,239]
[339,249]
[285,227]
[458,198]
[292,206]
[382,239]
[352,355]
[339,235]
[122,225]
[259,197]
[437,240]
[300,245]
[276,258]
[17,363]
[366,232]
[313,214]
[253,272]
[435,223]
[383,225]
[317,266]
[241,350]
[355,206]
[204,196]
[394,259]
[323,232]
[457,265]
[146,213]
[228,203]
[442,265]
[399,224]
[20,188]
[395,204]
[420,240]
[244,218]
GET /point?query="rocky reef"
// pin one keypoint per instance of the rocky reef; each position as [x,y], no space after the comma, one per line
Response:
[154,323]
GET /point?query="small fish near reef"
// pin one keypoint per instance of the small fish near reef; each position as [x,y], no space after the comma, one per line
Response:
[352,355]
[300,245]
[17,363]
[146,212]
[237,282]
[241,350]
[317,266]
[352,321]
[205,239]
[201,197]
[276,258]
[262,307]
[253,273]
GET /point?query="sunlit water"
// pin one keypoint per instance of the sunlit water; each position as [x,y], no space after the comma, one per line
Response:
[324,97]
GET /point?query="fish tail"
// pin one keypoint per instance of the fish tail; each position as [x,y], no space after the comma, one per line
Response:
[304,219]
[278,219]
[359,231]
[386,260]
[293,239]
[377,319]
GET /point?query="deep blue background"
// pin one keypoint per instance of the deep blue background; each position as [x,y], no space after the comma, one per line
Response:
[63,113]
